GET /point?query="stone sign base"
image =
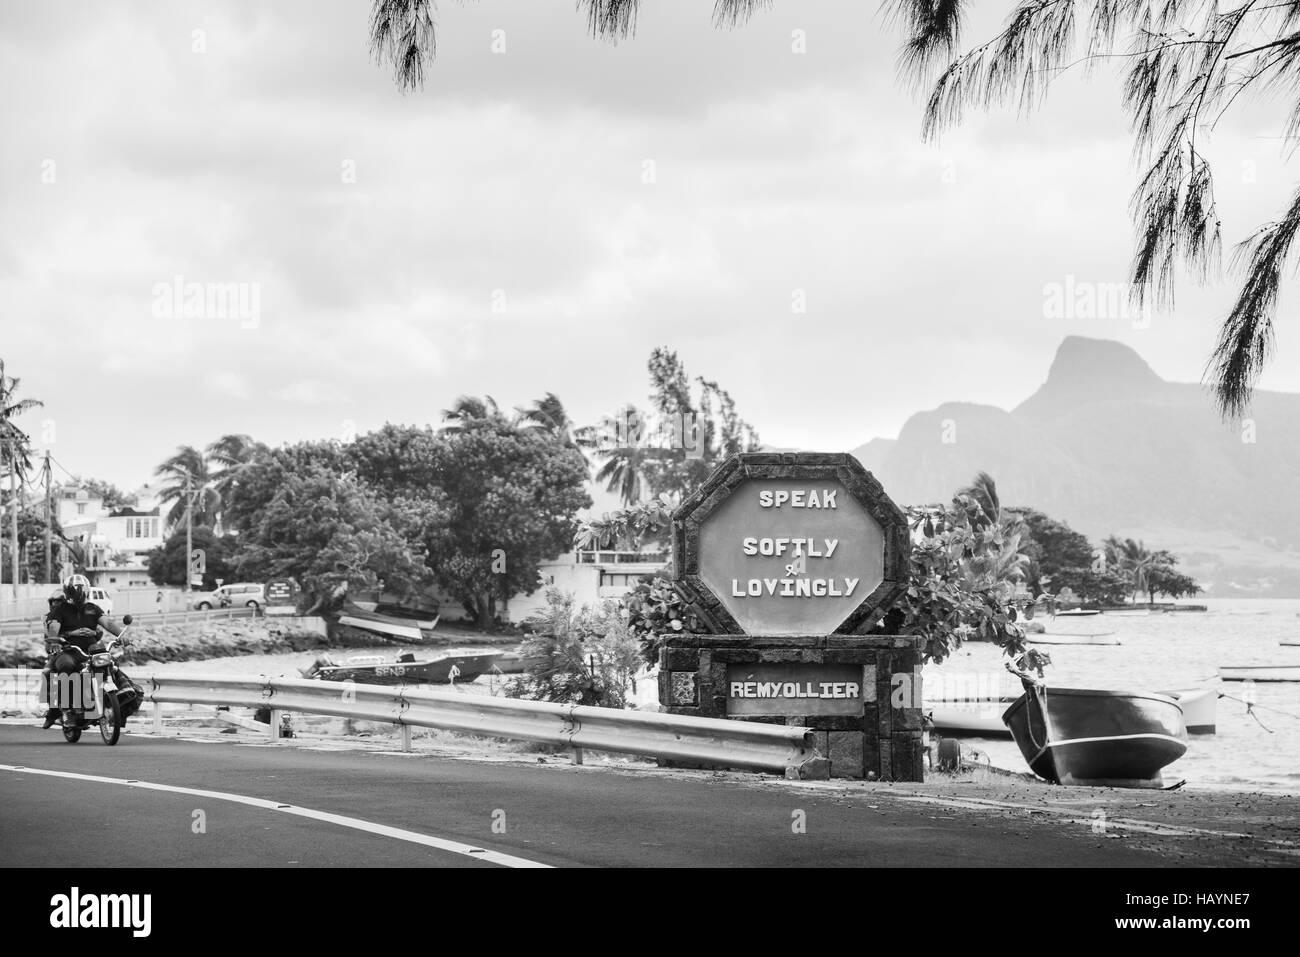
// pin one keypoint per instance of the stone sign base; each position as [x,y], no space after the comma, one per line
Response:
[871,731]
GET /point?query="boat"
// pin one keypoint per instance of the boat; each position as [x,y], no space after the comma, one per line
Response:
[426,618]
[1200,708]
[1099,738]
[978,717]
[397,629]
[1289,642]
[1074,638]
[374,670]
[1078,613]
[512,663]
[1260,672]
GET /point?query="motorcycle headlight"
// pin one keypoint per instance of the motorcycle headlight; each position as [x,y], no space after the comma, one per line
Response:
[101,660]
[52,646]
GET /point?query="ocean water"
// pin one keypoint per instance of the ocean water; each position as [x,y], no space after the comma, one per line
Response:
[1161,652]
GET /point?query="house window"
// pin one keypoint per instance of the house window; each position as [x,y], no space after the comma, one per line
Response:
[81,508]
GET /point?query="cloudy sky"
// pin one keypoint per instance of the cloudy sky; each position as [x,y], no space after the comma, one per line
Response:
[539,217]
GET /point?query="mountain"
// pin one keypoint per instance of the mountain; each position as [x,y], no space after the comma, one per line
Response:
[1108,446]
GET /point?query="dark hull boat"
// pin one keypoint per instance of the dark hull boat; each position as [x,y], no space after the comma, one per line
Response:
[1108,738]
[405,630]
[400,672]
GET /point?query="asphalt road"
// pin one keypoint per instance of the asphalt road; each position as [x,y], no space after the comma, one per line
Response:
[552,814]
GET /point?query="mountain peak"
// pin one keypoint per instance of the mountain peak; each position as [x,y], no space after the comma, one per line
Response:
[1090,369]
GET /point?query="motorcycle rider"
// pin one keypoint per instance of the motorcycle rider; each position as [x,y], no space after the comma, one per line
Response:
[70,611]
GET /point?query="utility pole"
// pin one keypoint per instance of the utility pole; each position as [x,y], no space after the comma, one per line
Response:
[13,514]
[49,522]
[189,532]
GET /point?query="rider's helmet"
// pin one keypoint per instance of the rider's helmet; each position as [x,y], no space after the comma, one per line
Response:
[76,589]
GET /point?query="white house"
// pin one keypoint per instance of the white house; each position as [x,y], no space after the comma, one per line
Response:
[116,541]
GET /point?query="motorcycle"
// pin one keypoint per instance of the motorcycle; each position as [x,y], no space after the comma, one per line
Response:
[89,687]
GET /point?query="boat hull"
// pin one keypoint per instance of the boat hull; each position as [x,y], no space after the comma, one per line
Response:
[1200,708]
[976,717]
[1260,673]
[1067,638]
[1106,738]
[410,672]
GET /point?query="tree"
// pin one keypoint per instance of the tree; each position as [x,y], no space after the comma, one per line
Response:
[498,499]
[188,465]
[511,498]
[687,434]
[1062,559]
[700,430]
[550,414]
[402,33]
[624,468]
[983,493]
[330,531]
[468,409]
[261,479]
[232,455]
[14,455]
[1162,579]
[167,563]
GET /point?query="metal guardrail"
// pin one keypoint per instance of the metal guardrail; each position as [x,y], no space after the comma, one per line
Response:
[702,741]
[35,627]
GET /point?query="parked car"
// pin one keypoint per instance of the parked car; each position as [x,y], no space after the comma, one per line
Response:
[239,594]
[102,598]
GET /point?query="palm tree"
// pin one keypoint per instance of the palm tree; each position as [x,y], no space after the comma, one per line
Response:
[1134,560]
[549,413]
[470,408]
[232,454]
[14,449]
[188,462]
[984,493]
[626,458]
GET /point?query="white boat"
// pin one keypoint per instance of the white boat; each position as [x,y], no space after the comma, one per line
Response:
[392,629]
[1260,672]
[1200,708]
[1074,638]
[1078,613]
[974,716]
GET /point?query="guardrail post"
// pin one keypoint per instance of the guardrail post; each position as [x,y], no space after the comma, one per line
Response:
[577,755]
[276,717]
[157,718]
[406,737]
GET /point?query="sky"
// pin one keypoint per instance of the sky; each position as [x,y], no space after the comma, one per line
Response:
[548,209]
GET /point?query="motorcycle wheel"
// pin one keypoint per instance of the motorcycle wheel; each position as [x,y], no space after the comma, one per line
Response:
[110,722]
[72,735]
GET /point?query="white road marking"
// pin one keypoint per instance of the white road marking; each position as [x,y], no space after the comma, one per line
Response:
[357,824]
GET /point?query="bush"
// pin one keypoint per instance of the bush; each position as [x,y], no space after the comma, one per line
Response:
[588,656]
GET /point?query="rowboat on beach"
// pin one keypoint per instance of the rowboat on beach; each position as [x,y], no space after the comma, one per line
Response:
[1200,708]
[1260,672]
[1101,738]
[1074,638]
[1078,613]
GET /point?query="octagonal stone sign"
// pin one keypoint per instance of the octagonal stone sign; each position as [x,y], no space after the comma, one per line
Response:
[790,543]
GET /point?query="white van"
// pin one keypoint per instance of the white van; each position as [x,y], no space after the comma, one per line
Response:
[238,595]
[101,597]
